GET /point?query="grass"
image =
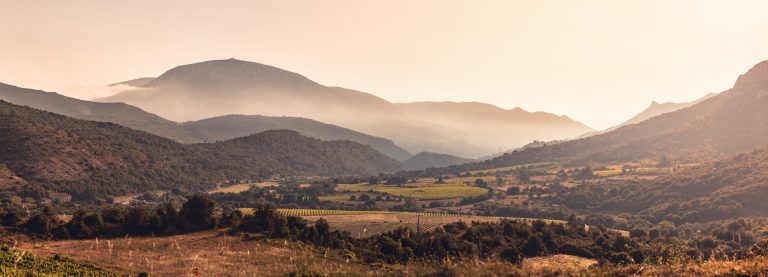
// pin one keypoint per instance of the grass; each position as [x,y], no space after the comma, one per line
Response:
[419,191]
[208,253]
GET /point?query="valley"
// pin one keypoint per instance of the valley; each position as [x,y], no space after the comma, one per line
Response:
[221,166]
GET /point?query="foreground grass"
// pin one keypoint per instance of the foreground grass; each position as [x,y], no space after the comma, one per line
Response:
[212,253]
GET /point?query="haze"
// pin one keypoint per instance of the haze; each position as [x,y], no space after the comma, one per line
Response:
[599,62]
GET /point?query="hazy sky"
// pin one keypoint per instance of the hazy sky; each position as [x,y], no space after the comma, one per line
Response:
[599,62]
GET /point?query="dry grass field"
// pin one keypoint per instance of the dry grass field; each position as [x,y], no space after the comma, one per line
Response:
[213,254]
[208,253]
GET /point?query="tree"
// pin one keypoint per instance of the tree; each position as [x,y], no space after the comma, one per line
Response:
[40,224]
[512,255]
[513,190]
[197,214]
[534,246]
[665,161]
[142,220]
[585,174]
[481,183]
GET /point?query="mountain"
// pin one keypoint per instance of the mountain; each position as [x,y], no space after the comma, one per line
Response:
[222,87]
[731,122]
[486,124]
[426,160]
[88,158]
[212,129]
[656,109]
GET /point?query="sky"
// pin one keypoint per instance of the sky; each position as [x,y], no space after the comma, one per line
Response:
[598,62]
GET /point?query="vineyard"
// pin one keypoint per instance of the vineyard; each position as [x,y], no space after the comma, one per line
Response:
[514,167]
[368,223]
[419,191]
[17,263]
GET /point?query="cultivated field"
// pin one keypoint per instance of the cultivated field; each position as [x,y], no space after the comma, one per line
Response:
[368,223]
[232,189]
[514,167]
[422,191]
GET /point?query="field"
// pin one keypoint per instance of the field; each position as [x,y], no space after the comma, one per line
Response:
[614,172]
[514,167]
[422,191]
[213,254]
[210,253]
[368,223]
[232,189]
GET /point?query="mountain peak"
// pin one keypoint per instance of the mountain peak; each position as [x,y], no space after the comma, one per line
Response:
[231,73]
[756,76]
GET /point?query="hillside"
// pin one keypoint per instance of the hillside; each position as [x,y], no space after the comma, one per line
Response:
[426,160]
[730,188]
[231,126]
[212,129]
[726,124]
[222,87]
[89,158]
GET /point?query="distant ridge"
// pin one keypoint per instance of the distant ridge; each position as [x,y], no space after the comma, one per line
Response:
[426,160]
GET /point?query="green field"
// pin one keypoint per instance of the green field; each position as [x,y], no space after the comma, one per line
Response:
[419,191]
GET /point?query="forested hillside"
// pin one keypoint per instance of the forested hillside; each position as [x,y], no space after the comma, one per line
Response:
[89,158]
